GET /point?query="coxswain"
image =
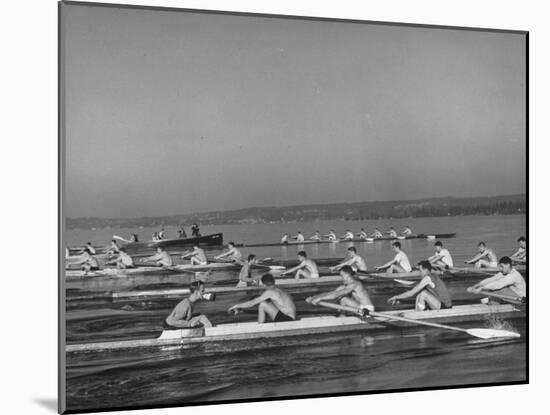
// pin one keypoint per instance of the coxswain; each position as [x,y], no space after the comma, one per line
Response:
[274,304]
[431,293]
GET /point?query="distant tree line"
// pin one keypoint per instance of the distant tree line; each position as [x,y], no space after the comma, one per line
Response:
[498,205]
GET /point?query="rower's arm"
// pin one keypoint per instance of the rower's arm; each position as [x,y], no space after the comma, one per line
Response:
[255,301]
[415,290]
[500,283]
[387,264]
[477,257]
[296,268]
[334,295]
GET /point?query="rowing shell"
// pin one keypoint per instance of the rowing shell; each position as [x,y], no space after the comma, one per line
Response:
[326,241]
[301,327]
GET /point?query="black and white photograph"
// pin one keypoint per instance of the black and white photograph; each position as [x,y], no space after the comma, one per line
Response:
[258,207]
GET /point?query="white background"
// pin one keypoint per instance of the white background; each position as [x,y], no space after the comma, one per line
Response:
[29,206]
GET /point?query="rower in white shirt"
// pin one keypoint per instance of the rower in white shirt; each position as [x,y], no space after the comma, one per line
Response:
[508,281]
[377,233]
[400,263]
[442,258]
[299,237]
[332,236]
[348,235]
[284,239]
[408,231]
[316,237]
[392,233]
[363,234]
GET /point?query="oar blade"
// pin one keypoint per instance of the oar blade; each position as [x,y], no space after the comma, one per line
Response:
[492,333]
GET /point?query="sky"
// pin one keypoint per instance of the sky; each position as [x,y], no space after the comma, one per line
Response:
[172,113]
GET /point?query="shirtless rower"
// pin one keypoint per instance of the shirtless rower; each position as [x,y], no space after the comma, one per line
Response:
[430,292]
[355,261]
[90,248]
[160,259]
[306,268]
[392,233]
[316,237]
[363,234]
[245,275]
[377,233]
[485,259]
[299,237]
[408,231]
[88,261]
[348,235]
[197,256]
[400,263]
[520,257]
[442,258]
[332,235]
[182,315]
[273,303]
[352,294]
[124,260]
[114,249]
[232,254]
[285,238]
[507,282]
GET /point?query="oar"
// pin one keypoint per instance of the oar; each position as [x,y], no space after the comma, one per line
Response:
[404,282]
[120,238]
[476,332]
[504,297]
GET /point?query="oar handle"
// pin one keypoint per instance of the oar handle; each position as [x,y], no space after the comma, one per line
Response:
[504,297]
[365,312]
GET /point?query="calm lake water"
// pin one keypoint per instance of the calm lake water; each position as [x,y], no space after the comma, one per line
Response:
[309,365]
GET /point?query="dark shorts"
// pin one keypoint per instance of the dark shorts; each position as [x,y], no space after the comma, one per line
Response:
[94,268]
[446,306]
[280,317]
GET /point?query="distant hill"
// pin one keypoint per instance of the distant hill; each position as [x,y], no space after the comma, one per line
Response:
[446,206]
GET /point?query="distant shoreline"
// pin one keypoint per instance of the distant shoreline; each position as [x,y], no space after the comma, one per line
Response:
[421,208]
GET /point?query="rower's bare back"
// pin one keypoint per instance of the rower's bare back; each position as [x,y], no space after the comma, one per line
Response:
[282,301]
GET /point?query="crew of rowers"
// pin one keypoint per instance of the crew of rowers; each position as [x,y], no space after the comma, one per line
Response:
[430,293]
[347,236]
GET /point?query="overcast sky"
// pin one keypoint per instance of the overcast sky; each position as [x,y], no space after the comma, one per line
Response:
[170,113]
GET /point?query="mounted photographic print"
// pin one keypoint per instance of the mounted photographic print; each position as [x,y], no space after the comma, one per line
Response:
[259,207]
